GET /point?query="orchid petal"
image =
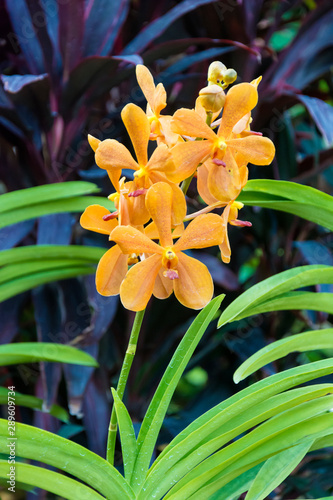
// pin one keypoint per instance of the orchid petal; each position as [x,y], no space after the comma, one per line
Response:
[161,160]
[187,156]
[93,142]
[131,240]
[92,219]
[159,204]
[204,231]
[159,99]
[137,211]
[146,83]
[138,128]
[111,271]
[163,286]
[179,207]
[202,179]
[194,288]
[170,137]
[240,100]
[188,122]
[152,233]
[111,154]
[139,282]
[224,182]
[253,149]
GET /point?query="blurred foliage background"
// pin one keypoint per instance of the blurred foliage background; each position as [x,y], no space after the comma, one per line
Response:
[67,69]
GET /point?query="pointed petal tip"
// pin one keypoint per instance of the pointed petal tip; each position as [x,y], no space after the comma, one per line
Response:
[94,142]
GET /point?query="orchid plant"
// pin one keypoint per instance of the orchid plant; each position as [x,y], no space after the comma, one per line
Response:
[253,440]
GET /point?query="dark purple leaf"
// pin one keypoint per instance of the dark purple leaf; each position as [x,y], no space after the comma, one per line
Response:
[55,229]
[104,19]
[189,60]
[309,56]
[75,327]
[39,21]
[48,317]
[251,9]
[30,94]
[95,75]
[24,38]
[71,27]
[96,410]
[322,113]
[314,252]
[10,317]
[105,309]
[52,24]
[157,27]
[221,274]
[12,235]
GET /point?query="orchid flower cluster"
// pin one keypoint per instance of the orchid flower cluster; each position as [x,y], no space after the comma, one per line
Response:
[213,142]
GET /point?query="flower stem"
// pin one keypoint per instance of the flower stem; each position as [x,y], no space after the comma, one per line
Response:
[186,183]
[125,369]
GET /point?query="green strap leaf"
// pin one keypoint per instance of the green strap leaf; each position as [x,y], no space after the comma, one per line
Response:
[49,481]
[77,204]
[42,252]
[303,201]
[156,412]
[31,352]
[19,285]
[276,469]
[274,286]
[237,487]
[24,198]
[127,435]
[35,403]
[216,418]
[48,448]
[314,301]
[307,341]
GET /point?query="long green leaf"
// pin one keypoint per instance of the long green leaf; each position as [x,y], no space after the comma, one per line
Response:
[216,418]
[314,301]
[208,485]
[276,469]
[24,198]
[30,352]
[19,285]
[155,414]
[274,286]
[231,425]
[275,435]
[307,341]
[49,481]
[238,486]
[77,204]
[72,458]
[303,201]
[129,445]
[35,403]
[42,252]
[16,271]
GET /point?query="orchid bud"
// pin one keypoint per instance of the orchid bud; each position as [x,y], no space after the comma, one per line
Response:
[216,71]
[212,98]
[229,76]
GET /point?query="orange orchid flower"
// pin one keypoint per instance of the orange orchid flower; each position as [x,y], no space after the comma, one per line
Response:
[114,156]
[156,102]
[222,147]
[167,268]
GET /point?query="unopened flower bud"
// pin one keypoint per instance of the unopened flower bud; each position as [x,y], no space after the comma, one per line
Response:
[229,76]
[212,98]
[216,71]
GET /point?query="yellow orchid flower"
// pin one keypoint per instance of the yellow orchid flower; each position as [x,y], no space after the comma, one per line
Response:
[114,156]
[167,268]
[221,147]
[156,102]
